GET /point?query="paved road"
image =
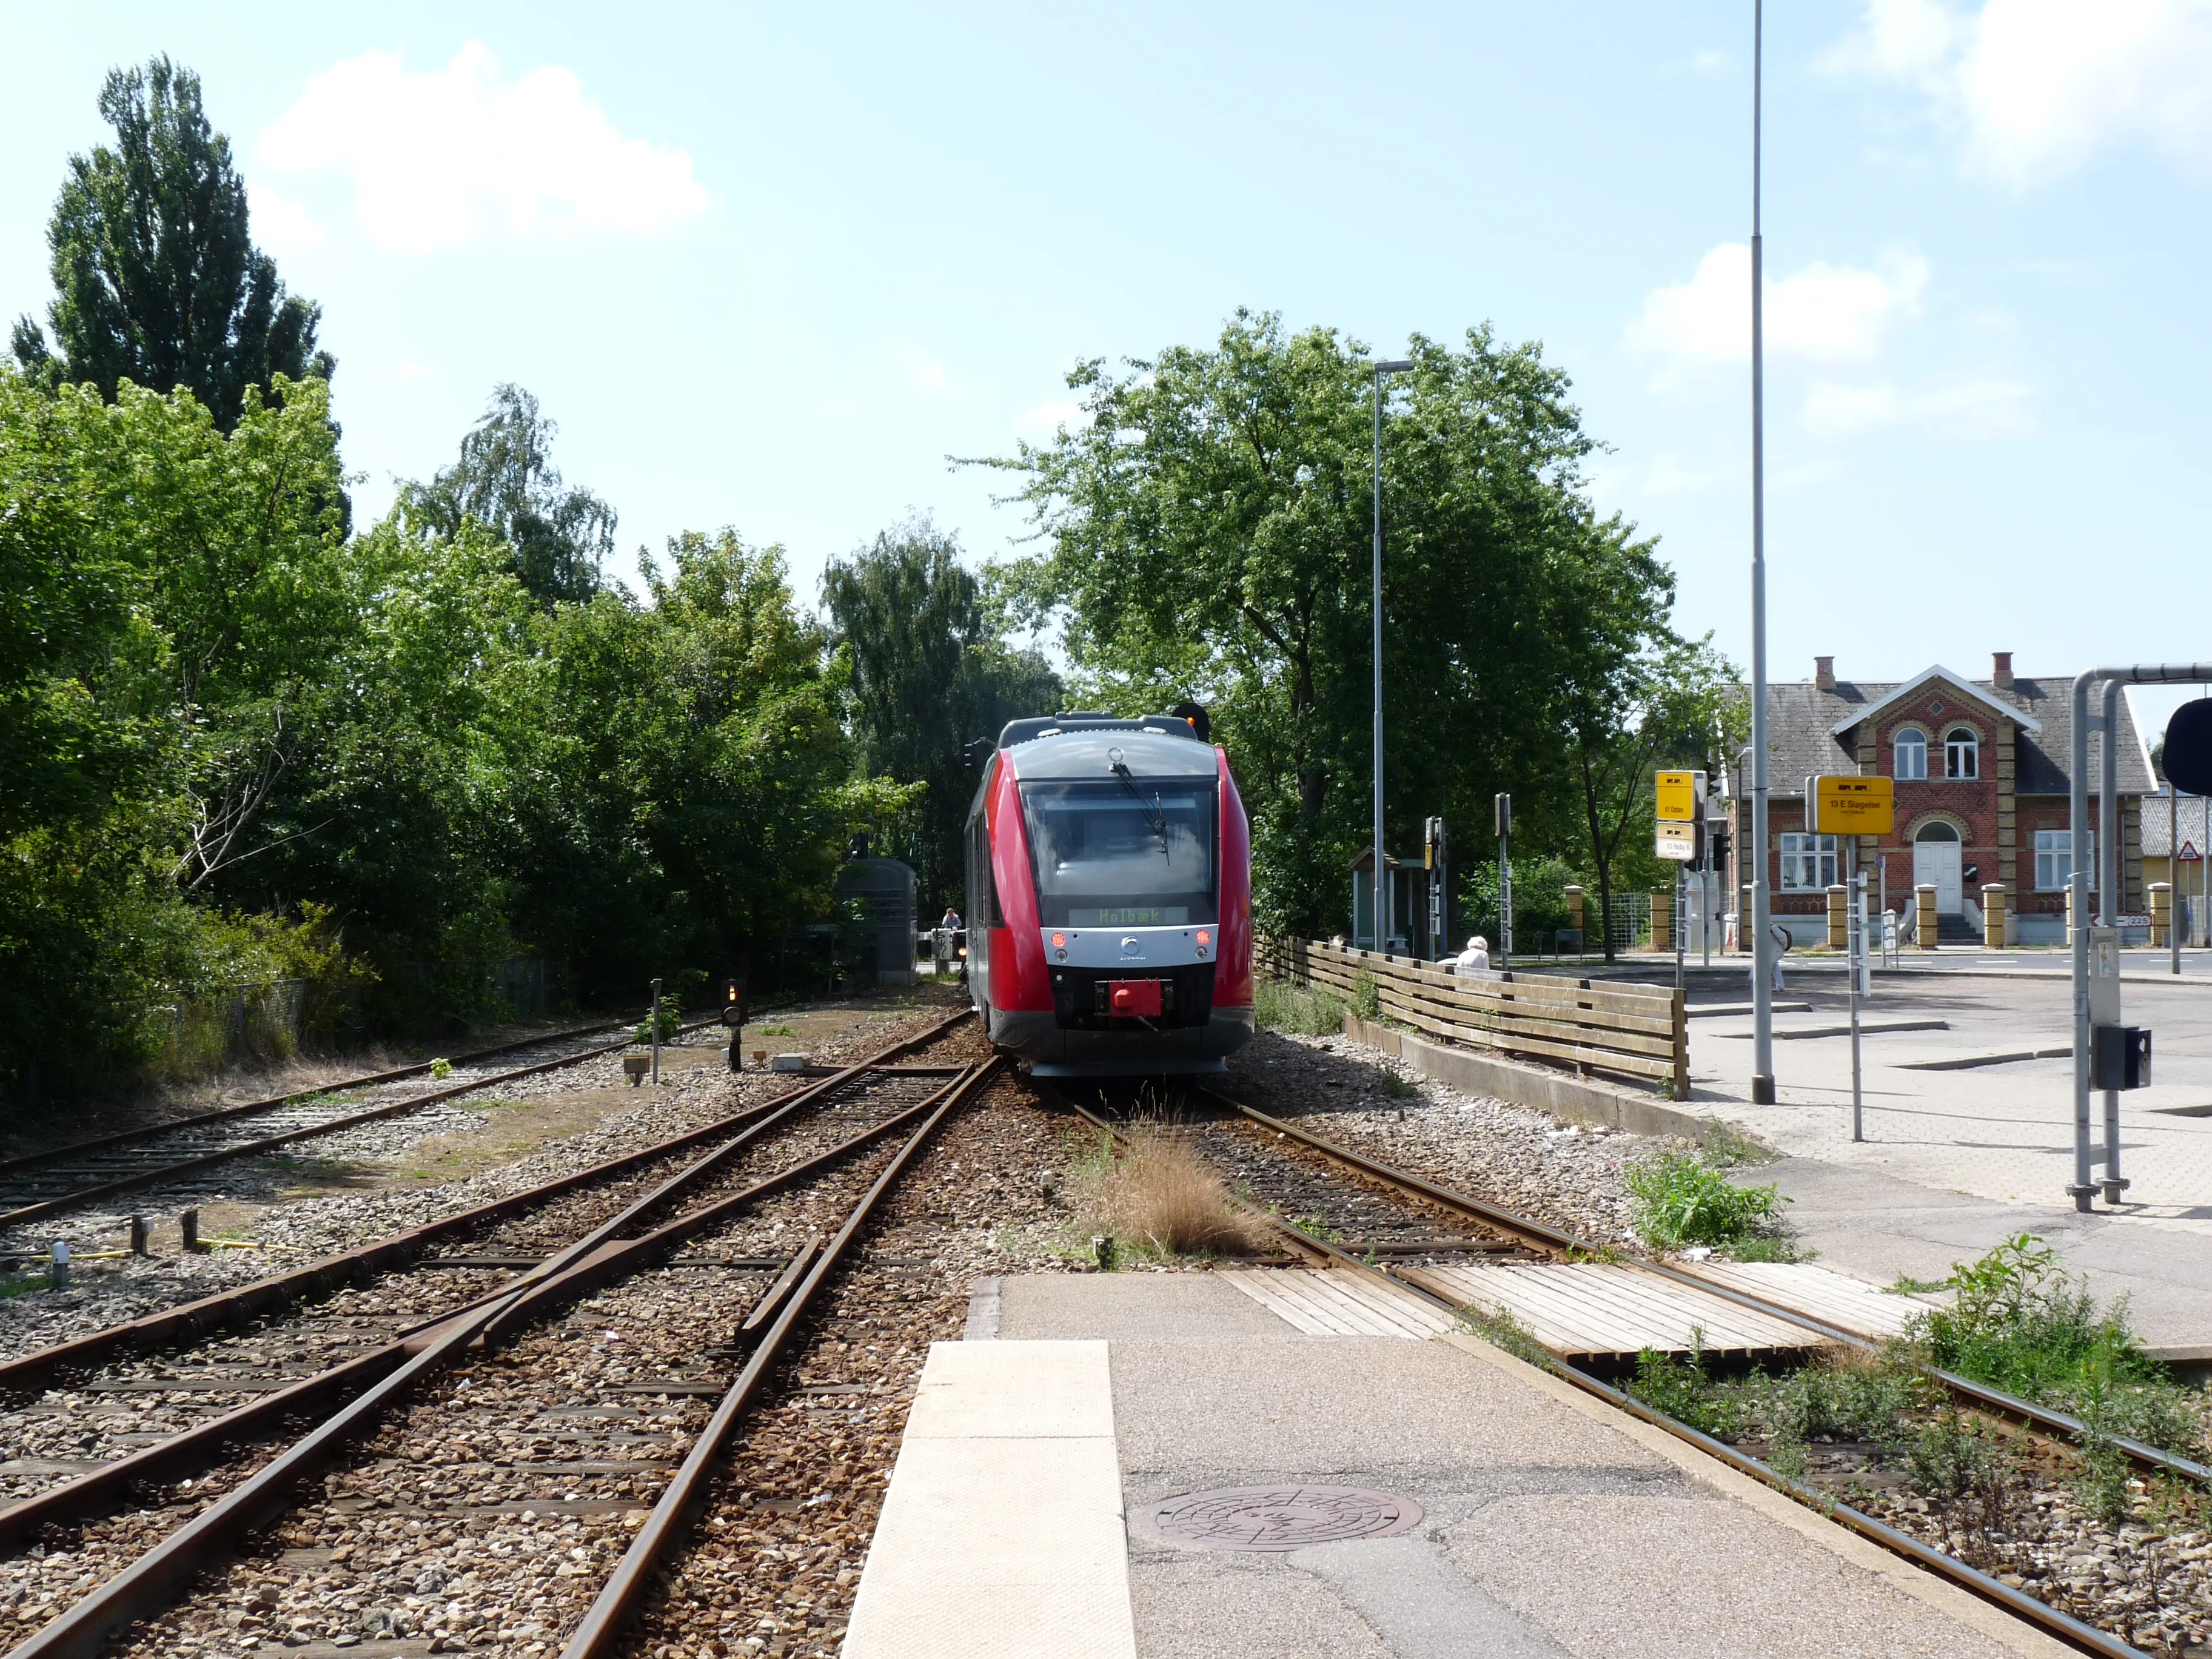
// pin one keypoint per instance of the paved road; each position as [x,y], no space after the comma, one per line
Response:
[1954,1160]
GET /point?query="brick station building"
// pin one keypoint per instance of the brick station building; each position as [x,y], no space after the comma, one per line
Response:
[1982,777]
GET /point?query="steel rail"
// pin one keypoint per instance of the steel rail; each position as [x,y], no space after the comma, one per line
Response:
[545,1285]
[368,1080]
[1996,1401]
[2087,1638]
[152,1583]
[617,1602]
[146,1178]
[323,1276]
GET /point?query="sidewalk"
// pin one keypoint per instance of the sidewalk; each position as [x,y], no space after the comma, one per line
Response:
[1958,1158]
[1402,1499]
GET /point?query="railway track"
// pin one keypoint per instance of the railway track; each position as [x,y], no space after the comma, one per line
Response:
[183,1153]
[1326,1202]
[683,1254]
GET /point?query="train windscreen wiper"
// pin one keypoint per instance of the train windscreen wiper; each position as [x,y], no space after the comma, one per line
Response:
[1156,816]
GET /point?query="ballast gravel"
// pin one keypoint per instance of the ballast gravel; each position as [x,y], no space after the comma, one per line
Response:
[116,1291]
[1516,1157]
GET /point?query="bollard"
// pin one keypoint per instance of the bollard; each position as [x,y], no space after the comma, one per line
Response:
[1924,924]
[139,1230]
[1839,917]
[60,1256]
[1995,909]
[1663,919]
[189,1222]
[2161,911]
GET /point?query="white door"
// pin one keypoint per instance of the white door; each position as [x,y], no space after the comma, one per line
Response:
[1941,862]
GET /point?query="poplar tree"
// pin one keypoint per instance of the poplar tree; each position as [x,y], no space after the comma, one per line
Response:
[156,279]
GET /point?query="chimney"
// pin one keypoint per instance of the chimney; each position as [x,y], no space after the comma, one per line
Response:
[1824,673]
[2001,669]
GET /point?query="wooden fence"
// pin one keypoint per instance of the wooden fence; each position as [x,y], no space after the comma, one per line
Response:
[1639,1032]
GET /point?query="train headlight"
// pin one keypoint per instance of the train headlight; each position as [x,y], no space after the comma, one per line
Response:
[1060,941]
[1205,936]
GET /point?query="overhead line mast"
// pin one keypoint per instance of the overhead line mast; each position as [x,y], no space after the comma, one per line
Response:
[1762,944]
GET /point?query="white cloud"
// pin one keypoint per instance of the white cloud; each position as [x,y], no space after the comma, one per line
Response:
[280,224]
[1042,423]
[2038,86]
[1968,405]
[439,158]
[1822,313]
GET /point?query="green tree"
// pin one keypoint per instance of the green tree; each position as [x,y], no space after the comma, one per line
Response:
[1209,535]
[169,619]
[156,279]
[931,674]
[1653,701]
[505,481]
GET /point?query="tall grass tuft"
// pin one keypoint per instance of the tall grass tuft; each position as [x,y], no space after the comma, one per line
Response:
[1155,1195]
[1280,1006]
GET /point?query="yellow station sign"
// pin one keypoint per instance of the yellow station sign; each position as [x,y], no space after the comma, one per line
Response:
[1851,805]
[1681,797]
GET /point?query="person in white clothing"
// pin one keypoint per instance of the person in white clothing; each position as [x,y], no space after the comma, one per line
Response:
[1475,959]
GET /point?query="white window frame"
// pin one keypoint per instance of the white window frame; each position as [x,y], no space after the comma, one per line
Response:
[1918,744]
[1804,855]
[1961,741]
[2054,859]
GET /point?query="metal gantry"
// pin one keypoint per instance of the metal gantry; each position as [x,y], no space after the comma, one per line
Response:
[2098,937]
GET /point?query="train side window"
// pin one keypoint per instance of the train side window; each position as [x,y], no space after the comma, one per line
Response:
[986,898]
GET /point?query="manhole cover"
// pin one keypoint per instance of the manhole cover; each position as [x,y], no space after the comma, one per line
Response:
[1281,1517]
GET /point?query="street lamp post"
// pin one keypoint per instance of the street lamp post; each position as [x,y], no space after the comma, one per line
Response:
[1753,856]
[1399,366]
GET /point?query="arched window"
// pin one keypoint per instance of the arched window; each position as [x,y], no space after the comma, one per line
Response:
[1910,750]
[1962,757]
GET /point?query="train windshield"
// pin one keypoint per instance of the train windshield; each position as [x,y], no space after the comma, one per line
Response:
[1115,854]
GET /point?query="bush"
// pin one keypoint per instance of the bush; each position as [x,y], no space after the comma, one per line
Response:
[1681,1389]
[1680,1200]
[1279,1006]
[668,1017]
[1366,997]
[2021,1324]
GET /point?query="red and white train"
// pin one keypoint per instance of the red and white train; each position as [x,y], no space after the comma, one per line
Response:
[1110,897]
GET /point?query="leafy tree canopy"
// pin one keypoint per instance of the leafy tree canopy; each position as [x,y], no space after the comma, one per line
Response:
[505,481]
[156,279]
[930,675]
[1208,530]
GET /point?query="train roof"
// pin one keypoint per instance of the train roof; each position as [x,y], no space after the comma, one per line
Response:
[1077,746]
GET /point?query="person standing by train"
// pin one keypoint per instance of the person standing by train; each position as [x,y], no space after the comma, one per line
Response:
[941,943]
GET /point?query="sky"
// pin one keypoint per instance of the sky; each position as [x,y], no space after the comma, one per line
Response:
[769,267]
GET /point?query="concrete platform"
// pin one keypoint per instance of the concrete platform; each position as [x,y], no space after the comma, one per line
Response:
[1001,1532]
[1550,1526]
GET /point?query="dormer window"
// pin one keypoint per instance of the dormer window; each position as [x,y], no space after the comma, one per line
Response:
[1962,754]
[1911,752]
